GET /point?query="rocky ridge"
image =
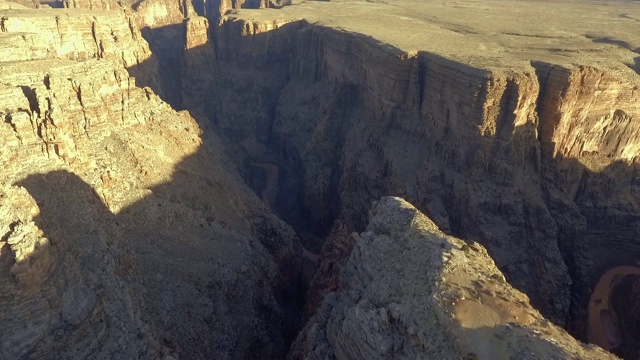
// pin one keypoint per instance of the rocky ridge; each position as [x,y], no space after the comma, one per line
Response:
[162,23]
[409,291]
[77,35]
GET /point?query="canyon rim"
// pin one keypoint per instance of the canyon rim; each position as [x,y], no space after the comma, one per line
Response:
[319,179]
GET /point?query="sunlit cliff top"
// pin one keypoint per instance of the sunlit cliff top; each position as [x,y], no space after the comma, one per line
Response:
[486,33]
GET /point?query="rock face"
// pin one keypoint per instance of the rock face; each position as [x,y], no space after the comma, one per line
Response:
[217,8]
[197,63]
[335,252]
[77,35]
[161,23]
[124,231]
[530,154]
[409,291]
[170,27]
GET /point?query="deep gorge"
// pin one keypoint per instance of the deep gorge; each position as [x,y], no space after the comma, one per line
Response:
[536,162]
[348,121]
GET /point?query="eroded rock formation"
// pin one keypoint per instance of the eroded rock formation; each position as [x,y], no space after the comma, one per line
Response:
[512,146]
[77,35]
[410,291]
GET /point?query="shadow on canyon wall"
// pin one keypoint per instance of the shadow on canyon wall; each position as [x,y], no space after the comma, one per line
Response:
[180,250]
[280,88]
[167,44]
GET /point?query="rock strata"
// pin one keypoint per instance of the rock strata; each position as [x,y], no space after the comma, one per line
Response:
[500,140]
[197,63]
[77,35]
[124,231]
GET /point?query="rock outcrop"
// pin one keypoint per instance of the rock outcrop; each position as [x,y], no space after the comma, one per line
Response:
[218,8]
[161,23]
[170,27]
[124,231]
[409,291]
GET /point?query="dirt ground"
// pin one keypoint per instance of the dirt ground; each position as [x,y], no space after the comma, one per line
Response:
[487,33]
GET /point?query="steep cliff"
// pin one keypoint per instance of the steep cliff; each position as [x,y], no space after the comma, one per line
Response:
[124,231]
[505,139]
[409,291]
[163,25]
[197,64]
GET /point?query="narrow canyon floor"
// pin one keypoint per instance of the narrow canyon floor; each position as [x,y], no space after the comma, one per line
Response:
[338,179]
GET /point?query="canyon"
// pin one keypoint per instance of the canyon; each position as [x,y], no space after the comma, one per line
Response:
[333,180]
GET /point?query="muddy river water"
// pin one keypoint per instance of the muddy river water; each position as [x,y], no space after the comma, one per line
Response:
[604,324]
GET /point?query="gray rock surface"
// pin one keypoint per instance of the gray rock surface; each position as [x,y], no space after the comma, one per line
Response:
[408,291]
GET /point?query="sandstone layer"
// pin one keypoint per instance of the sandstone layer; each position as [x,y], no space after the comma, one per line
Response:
[408,291]
[124,230]
[77,35]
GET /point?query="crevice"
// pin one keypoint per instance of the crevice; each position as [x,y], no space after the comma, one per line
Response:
[99,49]
[58,28]
[30,94]
[12,227]
[546,126]
[7,120]
[47,81]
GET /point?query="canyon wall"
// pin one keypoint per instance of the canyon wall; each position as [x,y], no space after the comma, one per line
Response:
[162,23]
[522,159]
[78,35]
[124,230]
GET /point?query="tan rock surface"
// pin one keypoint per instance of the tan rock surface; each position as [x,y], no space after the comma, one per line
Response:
[125,233]
[508,138]
[6,5]
[158,13]
[77,35]
[484,33]
[409,291]
[197,63]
